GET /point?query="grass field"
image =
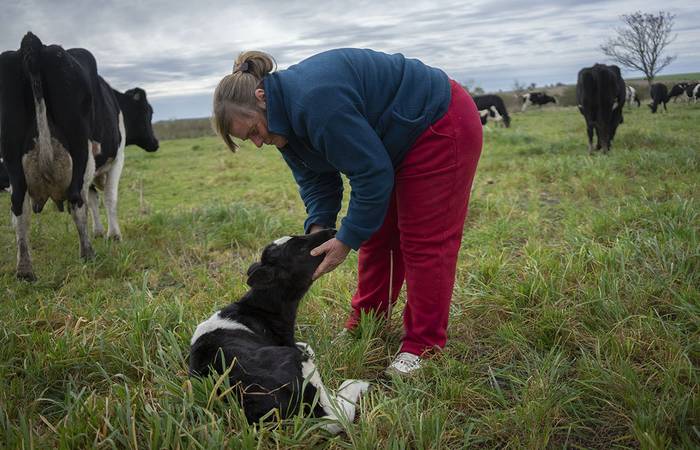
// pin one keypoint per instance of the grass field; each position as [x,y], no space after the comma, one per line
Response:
[575,320]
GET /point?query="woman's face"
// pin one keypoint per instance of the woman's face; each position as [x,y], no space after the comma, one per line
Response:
[253,127]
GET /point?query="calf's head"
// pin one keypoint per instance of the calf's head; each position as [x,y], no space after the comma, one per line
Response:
[137,119]
[287,263]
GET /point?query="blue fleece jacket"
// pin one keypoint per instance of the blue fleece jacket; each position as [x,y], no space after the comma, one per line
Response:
[355,112]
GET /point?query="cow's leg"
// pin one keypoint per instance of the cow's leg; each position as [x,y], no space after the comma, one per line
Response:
[589,130]
[337,408]
[79,213]
[111,195]
[21,224]
[81,157]
[94,206]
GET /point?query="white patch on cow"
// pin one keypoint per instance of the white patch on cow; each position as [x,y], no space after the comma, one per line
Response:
[112,185]
[615,105]
[696,93]
[216,322]
[495,114]
[94,207]
[282,240]
[526,101]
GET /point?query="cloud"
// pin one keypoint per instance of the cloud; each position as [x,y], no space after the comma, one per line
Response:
[178,50]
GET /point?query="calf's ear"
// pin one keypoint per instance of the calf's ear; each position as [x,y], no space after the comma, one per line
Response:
[260,276]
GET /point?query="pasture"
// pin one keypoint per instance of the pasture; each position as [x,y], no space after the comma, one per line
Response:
[575,320]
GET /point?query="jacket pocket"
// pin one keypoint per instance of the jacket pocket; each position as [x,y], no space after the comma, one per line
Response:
[400,132]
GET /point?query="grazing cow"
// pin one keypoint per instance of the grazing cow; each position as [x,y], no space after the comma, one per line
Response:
[67,129]
[252,343]
[677,90]
[632,96]
[659,96]
[537,98]
[693,92]
[4,178]
[495,107]
[600,94]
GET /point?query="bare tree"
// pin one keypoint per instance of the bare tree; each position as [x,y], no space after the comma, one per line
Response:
[640,43]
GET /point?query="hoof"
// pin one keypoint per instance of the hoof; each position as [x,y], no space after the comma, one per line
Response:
[115,237]
[88,254]
[98,233]
[358,386]
[26,276]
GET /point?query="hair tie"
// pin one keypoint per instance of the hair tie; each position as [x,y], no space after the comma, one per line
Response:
[242,67]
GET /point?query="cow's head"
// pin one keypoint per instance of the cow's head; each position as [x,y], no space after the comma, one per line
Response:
[287,264]
[137,119]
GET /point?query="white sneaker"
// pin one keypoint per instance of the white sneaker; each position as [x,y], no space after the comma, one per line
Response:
[404,364]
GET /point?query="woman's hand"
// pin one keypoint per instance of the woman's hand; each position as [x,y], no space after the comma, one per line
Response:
[335,251]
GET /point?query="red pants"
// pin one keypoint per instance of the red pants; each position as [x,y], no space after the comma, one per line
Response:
[423,228]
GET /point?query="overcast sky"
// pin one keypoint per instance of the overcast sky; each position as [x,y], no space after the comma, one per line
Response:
[178,50]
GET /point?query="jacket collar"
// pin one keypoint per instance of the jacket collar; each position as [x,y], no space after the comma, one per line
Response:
[277,120]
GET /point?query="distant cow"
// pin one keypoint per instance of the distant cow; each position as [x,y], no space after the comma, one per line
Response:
[600,95]
[659,96]
[632,96]
[495,107]
[67,129]
[537,98]
[677,90]
[693,92]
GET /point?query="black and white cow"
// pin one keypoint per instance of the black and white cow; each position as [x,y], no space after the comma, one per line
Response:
[537,98]
[495,107]
[63,127]
[632,96]
[677,90]
[659,96]
[600,95]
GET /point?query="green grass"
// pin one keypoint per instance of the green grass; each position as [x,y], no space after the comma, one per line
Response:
[575,320]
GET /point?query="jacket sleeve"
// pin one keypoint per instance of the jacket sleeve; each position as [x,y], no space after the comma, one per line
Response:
[322,193]
[351,145]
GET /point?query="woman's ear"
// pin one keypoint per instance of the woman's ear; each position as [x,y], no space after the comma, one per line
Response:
[260,96]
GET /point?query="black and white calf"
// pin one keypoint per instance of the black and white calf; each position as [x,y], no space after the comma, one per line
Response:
[61,128]
[659,96]
[254,338]
[492,106]
[536,98]
[600,95]
[677,90]
[632,96]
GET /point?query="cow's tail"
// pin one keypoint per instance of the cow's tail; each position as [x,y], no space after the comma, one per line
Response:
[30,49]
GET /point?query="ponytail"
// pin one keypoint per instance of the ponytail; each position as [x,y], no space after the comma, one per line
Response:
[235,93]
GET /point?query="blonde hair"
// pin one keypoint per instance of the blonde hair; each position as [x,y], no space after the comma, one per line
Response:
[235,93]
